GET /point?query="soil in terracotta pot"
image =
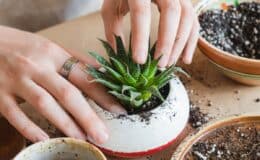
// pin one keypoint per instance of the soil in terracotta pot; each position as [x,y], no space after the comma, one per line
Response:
[235,30]
[236,142]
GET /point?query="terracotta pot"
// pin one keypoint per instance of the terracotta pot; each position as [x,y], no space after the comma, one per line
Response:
[189,141]
[244,70]
[132,136]
[61,148]
[11,142]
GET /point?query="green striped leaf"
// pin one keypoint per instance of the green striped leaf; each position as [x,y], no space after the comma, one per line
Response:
[156,92]
[114,74]
[99,58]
[109,50]
[109,84]
[118,65]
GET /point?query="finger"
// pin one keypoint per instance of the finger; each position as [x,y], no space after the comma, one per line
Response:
[94,90]
[11,111]
[140,12]
[49,108]
[184,30]
[169,21]
[112,15]
[191,44]
[74,102]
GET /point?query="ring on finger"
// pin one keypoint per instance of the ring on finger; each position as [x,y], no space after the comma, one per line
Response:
[66,68]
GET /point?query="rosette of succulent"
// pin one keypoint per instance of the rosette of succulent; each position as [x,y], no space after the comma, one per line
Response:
[155,99]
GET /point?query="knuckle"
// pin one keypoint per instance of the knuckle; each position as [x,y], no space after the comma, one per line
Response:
[67,124]
[172,5]
[41,101]
[24,62]
[9,112]
[48,47]
[141,8]
[66,93]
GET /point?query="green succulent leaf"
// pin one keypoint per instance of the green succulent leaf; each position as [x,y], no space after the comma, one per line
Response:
[118,66]
[143,81]
[131,83]
[164,73]
[164,81]
[99,58]
[147,67]
[146,95]
[109,50]
[109,84]
[129,78]
[152,50]
[153,68]
[127,88]
[180,70]
[120,96]
[137,71]
[155,91]
[114,74]
[120,46]
[94,72]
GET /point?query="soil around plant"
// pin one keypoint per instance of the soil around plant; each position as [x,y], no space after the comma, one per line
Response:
[145,111]
[235,30]
[152,103]
[235,142]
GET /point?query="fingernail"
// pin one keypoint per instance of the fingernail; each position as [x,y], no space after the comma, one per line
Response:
[42,137]
[140,56]
[100,138]
[80,136]
[163,61]
[118,109]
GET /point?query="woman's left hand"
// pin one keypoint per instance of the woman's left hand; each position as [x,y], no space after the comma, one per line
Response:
[177,34]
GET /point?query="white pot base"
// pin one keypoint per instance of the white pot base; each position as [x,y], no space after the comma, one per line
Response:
[134,136]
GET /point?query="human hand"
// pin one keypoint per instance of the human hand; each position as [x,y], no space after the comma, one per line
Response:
[29,69]
[178,28]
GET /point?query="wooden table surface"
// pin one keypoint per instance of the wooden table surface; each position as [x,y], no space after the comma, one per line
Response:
[206,84]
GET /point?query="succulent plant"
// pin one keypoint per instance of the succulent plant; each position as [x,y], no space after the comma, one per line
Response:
[133,84]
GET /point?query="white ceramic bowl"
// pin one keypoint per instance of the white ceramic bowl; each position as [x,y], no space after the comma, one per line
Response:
[132,136]
[61,149]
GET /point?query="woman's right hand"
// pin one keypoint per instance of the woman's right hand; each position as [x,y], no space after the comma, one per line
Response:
[29,69]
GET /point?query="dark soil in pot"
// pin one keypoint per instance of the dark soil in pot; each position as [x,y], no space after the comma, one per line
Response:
[145,111]
[152,103]
[236,142]
[235,30]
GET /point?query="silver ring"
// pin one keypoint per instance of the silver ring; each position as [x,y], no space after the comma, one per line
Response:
[68,66]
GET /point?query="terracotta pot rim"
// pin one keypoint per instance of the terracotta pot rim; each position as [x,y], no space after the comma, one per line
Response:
[229,55]
[98,153]
[185,146]
[235,72]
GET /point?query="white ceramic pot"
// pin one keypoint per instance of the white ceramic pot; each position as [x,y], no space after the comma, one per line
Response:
[61,148]
[134,136]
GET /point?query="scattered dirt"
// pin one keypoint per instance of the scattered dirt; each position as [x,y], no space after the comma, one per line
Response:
[236,142]
[235,30]
[197,118]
